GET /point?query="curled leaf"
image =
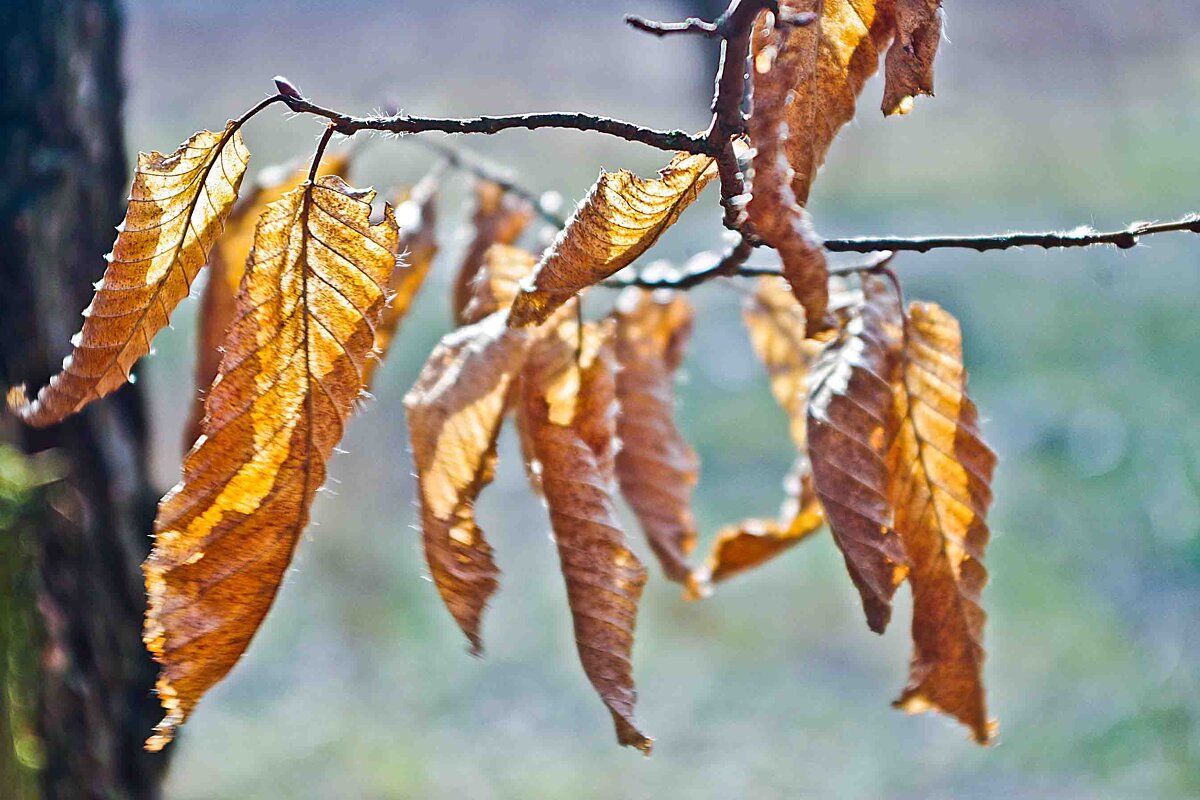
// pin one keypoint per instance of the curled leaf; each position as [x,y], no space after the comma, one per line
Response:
[455,411]
[621,218]
[498,281]
[839,52]
[227,265]
[313,293]
[753,542]
[177,207]
[941,477]
[776,326]
[774,210]
[908,69]
[499,218]
[570,413]
[656,469]
[417,216]
[850,427]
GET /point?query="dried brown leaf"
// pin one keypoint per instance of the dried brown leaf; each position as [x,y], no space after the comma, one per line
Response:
[656,469]
[776,326]
[418,246]
[850,426]
[313,293]
[227,265]
[570,413]
[455,411]
[621,218]
[774,210]
[753,542]
[177,207]
[498,218]
[838,53]
[908,69]
[498,281]
[941,476]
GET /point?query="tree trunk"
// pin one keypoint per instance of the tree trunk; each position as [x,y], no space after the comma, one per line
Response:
[83,538]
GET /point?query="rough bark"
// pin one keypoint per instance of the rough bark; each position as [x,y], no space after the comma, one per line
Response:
[63,191]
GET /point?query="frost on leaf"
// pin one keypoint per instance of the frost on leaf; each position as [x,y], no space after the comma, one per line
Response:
[313,293]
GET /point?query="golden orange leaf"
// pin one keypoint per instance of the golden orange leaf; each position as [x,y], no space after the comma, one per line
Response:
[941,477]
[417,216]
[753,542]
[177,206]
[656,469]
[775,322]
[313,293]
[839,52]
[455,411]
[570,413]
[498,280]
[908,69]
[774,210]
[227,265]
[499,218]
[850,426]
[621,218]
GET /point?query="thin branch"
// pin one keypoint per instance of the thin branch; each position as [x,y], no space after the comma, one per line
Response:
[404,124]
[690,25]
[1080,237]
[473,165]
[730,264]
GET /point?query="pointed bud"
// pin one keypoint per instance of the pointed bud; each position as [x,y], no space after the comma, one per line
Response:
[287,88]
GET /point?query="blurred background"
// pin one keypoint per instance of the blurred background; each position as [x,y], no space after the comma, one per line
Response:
[1085,365]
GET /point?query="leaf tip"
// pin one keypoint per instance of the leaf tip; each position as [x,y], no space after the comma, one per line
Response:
[17,400]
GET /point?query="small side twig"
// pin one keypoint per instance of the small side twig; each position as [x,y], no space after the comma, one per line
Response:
[691,25]
[474,165]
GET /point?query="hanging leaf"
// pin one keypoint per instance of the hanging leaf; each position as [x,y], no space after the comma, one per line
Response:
[941,477]
[776,326]
[498,281]
[417,216]
[656,469]
[499,218]
[621,218]
[839,52]
[850,426]
[570,413]
[753,542]
[227,264]
[908,69]
[177,206]
[313,293]
[773,210]
[455,411]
